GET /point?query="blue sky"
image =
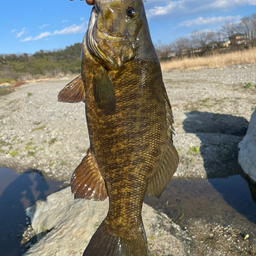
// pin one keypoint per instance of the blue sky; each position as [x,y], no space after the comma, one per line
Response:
[29,26]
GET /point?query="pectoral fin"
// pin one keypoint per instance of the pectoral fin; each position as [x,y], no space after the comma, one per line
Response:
[87,182]
[104,93]
[73,92]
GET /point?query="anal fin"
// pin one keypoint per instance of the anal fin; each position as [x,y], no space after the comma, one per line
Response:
[165,170]
[87,182]
[73,92]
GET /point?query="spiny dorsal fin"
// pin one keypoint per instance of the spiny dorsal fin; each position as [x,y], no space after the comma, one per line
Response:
[104,93]
[87,182]
[169,160]
[73,92]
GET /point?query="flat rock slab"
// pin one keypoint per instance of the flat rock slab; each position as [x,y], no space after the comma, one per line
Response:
[64,226]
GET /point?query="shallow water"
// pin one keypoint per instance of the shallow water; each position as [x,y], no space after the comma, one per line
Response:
[17,192]
[229,197]
[200,206]
[227,201]
[5,90]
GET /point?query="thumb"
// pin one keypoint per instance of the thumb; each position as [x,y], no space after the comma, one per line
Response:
[90,2]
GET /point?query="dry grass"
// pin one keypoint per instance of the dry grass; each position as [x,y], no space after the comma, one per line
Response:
[216,61]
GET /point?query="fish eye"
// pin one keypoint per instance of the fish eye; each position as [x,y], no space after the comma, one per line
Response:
[130,12]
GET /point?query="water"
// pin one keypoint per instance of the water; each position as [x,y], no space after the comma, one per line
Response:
[230,198]
[204,207]
[17,192]
[6,90]
[226,201]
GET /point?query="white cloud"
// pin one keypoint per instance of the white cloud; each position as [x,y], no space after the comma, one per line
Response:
[162,10]
[13,30]
[183,8]
[82,18]
[73,29]
[27,39]
[21,33]
[42,35]
[208,20]
[64,21]
[230,4]
[45,25]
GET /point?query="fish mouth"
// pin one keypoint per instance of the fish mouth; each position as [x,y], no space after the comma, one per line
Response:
[112,50]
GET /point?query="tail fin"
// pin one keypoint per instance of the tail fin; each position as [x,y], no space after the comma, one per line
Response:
[105,244]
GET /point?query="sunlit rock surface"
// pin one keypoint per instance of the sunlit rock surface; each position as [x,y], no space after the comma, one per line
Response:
[247,153]
[64,226]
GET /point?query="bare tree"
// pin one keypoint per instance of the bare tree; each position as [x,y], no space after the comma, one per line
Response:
[200,39]
[182,45]
[254,26]
[195,39]
[163,50]
[211,36]
[228,29]
[245,27]
[219,36]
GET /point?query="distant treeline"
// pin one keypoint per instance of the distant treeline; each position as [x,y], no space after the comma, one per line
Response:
[43,63]
[201,42]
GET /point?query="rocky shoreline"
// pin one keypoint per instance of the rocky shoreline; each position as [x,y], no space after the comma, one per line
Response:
[212,110]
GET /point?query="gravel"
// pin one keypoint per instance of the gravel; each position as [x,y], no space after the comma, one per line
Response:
[211,112]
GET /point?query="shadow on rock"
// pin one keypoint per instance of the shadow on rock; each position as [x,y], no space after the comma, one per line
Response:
[219,135]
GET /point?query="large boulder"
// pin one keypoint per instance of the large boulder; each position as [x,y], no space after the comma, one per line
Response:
[64,226]
[247,153]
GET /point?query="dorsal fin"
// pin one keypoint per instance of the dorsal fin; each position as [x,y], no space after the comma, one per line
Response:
[87,182]
[166,169]
[169,160]
[73,92]
[169,115]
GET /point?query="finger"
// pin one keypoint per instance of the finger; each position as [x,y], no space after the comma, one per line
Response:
[90,2]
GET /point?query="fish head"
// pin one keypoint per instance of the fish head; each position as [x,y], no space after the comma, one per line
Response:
[113,30]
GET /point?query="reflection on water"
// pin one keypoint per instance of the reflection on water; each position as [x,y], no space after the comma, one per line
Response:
[17,192]
[252,187]
[238,194]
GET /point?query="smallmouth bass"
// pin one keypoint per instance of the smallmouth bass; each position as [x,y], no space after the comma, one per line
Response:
[129,120]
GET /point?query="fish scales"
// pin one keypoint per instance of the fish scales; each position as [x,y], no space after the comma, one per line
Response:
[132,140]
[129,120]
